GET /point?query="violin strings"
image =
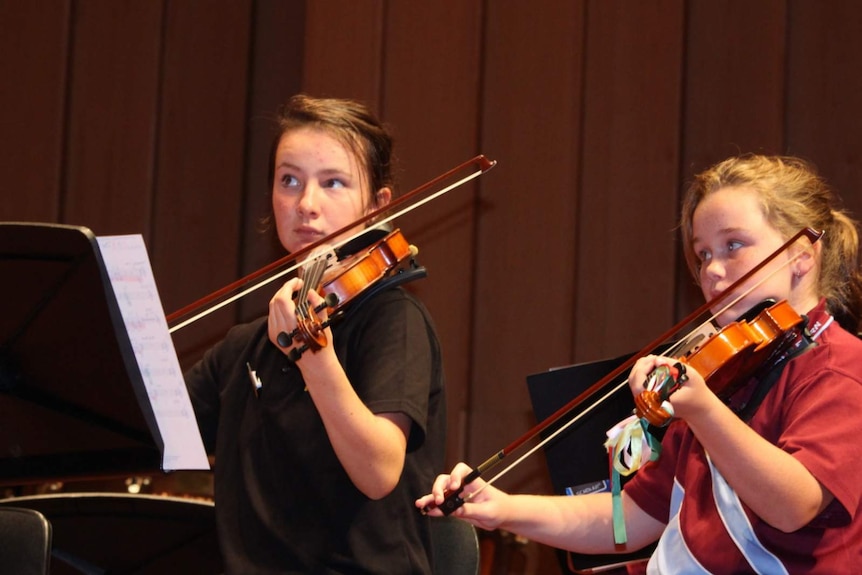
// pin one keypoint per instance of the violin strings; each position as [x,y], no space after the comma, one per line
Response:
[624,382]
[736,300]
[312,272]
[290,269]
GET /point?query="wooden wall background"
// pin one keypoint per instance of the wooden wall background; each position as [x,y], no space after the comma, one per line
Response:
[150,117]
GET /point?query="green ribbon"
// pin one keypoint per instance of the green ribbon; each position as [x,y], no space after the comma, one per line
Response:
[627,444]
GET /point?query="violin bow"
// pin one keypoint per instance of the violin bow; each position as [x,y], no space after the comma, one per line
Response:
[482,163]
[453,500]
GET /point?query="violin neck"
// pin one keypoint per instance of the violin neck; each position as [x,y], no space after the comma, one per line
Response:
[311,276]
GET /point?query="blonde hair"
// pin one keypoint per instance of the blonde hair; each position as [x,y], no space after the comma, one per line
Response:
[793,196]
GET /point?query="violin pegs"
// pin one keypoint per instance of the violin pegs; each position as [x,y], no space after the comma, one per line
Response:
[296,353]
[284,339]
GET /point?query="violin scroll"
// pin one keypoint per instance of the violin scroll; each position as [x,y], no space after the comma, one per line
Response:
[652,403]
[340,283]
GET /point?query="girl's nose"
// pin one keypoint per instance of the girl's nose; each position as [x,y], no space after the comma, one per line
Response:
[308,201]
[712,270]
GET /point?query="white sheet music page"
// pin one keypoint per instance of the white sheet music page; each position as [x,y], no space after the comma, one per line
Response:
[128,266]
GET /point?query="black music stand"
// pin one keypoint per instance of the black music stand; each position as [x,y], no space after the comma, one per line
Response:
[72,399]
[577,459]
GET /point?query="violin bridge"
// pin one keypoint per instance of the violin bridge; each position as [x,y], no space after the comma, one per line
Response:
[692,342]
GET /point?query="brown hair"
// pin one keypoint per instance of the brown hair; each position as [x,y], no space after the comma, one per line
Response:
[349,122]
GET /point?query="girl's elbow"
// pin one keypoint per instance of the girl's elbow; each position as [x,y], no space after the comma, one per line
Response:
[379,489]
[790,524]
[795,519]
[382,483]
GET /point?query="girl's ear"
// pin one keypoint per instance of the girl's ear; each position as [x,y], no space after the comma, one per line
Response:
[806,259]
[383,197]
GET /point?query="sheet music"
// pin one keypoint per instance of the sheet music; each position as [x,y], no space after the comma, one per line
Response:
[128,267]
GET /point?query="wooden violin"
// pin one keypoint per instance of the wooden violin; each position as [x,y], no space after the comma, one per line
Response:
[453,499]
[269,273]
[339,284]
[728,357]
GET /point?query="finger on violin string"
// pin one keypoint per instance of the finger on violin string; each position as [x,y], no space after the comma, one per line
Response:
[639,373]
[645,363]
[283,302]
[292,287]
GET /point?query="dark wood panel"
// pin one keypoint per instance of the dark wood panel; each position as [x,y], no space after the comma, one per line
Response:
[276,74]
[628,203]
[824,92]
[734,94]
[344,50]
[430,99]
[33,65]
[200,159]
[112,116]
[527,221]
[734,80]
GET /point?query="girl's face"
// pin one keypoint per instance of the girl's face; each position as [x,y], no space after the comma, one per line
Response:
[318,188]
[730,236]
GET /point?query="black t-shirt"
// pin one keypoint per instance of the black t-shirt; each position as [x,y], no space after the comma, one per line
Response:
[284,504]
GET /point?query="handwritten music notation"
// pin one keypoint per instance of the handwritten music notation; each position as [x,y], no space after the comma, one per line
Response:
[128,266]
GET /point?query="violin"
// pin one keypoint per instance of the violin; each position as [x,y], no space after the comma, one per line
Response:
[453,500]
[340,284]
[728,358]
[269,273]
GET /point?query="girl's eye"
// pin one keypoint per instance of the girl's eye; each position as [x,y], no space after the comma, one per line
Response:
[733,246]
[334,183]
[289,181]
[703,257]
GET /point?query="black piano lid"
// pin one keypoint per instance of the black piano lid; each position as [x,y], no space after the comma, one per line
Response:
[98,533]
[72,399]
